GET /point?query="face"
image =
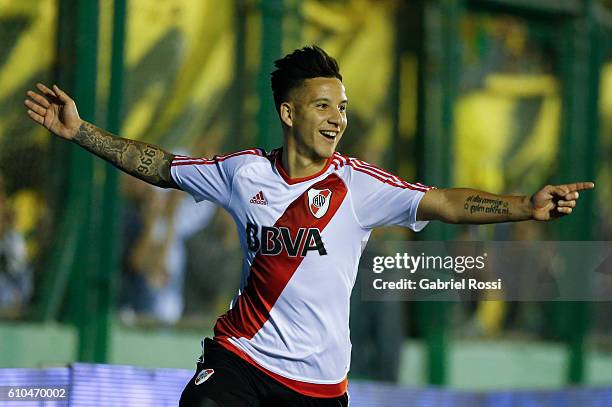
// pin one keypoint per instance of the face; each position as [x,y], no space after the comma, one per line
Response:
[316,117]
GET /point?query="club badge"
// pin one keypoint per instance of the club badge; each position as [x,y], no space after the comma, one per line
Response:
[203,376]
[318,201]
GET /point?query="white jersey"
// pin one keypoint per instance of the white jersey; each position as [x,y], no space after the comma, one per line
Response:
[302,239]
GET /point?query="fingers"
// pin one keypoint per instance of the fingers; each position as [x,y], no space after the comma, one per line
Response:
[560,198]
[569,201]
[566,190]
[578,186]
[41,100]
[35,107]
[61,94]
[54,94]
[564,210]
[45,89]
[571,196]
[568,204]
[36,117]
[560,190]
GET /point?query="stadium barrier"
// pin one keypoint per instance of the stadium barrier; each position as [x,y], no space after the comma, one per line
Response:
[116,385]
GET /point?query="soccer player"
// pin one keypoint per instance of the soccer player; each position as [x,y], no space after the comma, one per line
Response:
[302,212]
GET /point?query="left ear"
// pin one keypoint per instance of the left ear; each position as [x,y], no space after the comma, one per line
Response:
[286,113]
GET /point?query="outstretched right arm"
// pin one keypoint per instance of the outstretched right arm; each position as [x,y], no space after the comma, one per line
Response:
[57,112]
[142,160]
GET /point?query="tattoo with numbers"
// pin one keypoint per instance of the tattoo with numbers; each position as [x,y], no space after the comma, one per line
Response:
[142,160]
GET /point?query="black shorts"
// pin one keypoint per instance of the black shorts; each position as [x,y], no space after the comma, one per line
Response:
[236,383]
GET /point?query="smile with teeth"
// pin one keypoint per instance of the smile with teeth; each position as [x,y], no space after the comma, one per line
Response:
[329,133]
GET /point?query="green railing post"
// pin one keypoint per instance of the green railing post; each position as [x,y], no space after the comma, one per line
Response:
[268,127]
[439,64]
[84,182]
[74,260]
[76,73]
[395,89]
[237,138]
[293,22]
[106,284]
[581,57]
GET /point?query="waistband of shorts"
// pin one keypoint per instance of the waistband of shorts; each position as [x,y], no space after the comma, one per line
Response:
[307,389]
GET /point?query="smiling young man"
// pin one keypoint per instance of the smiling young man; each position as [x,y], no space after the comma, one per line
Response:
[303,212]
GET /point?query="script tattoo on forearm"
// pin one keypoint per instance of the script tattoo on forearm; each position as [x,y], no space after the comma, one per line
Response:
[142,160]
[477,204]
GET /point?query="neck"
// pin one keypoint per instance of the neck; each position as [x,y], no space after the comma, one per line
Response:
[299,165]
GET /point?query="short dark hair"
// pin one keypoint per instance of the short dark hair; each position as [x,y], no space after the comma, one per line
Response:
[305,63]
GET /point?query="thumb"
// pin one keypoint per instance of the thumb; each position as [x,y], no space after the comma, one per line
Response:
[61,94]
[560,190]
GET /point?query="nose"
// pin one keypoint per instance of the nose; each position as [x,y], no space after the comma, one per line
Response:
[335,117]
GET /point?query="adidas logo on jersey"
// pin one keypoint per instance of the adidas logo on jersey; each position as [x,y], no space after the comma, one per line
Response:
[259,199]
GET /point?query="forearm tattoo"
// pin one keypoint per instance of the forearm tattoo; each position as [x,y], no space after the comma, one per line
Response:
[476,204]
[142,160]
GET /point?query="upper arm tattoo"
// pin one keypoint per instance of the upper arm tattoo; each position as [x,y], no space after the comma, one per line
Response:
[142,160]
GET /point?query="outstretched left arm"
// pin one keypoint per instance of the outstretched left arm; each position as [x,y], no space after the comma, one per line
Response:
[464,205]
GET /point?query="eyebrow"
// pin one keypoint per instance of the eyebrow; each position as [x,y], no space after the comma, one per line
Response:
[327,100]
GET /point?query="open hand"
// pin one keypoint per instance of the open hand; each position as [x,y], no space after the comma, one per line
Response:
[554,201]
[55,110]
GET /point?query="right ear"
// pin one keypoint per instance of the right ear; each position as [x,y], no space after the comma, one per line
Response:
[286,113]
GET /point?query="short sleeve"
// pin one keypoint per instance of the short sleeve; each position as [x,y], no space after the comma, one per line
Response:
[209,179]
[383,199]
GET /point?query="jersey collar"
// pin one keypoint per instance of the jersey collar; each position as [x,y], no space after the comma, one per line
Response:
[278,158]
